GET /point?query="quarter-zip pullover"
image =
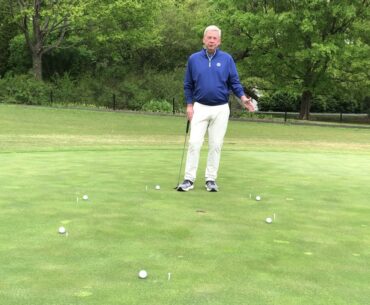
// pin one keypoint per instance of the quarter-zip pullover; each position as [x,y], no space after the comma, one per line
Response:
[209,79]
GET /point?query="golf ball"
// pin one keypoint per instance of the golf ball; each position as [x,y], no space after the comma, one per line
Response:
[157,187]
[85,197]
[143,274]
[62,230]
[258,198]
[269,220]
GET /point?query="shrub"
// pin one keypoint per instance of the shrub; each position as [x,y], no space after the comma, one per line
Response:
[157,106]
[65,91]
[335,104]
[251,115]
[93,91]
[166,86]
[366,105]
[131,94]
[279,101]
[85,91]
[24,89]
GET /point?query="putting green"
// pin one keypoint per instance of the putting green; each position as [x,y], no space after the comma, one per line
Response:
[216,247]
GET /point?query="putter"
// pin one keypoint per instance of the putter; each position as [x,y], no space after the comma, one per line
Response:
[183,152]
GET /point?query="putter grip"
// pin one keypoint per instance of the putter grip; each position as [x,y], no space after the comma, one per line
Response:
[187,126]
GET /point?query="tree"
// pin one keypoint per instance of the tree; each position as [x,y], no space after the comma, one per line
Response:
[8,30]
[178,37]
[119,30]
[298,46]
[44,24]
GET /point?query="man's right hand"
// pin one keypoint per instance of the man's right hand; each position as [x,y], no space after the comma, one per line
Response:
[189,111]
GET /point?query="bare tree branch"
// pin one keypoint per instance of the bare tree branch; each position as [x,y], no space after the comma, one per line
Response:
[21,3]
[62,33]
[46,24]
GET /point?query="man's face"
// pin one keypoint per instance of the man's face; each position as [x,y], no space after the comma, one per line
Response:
[211,41]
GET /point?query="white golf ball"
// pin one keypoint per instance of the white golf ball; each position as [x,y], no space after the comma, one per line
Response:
[85,197]
[269,220]
[62,230]
[157,187]
[258,198]
[143,274]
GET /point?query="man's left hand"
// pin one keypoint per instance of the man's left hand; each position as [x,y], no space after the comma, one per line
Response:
[247,102]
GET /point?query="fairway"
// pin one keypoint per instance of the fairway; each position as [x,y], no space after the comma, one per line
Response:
[197,247]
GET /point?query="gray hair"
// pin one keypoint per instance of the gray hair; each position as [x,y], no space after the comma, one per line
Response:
[212,28]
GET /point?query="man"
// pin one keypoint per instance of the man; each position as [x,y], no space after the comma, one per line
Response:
[210,75]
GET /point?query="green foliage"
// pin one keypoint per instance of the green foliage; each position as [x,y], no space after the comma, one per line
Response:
[86,91]
[75,61]
[166,86]
[45,25]
[366,105]
[137,50]
[157,106]
[252,115]
[67,91]
[299,46]
[24,89]
[287,101]
[334,103]
[178,37]
[122,30]
[131,93]
[8,29]
[19,61]
[279,101]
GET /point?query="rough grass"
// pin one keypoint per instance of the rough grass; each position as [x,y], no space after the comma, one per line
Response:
[198,247]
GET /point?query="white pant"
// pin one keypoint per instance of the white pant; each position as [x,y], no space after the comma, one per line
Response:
[215,118]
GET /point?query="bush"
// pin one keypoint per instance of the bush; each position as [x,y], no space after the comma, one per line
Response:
[131,93]
[94,91]
[65,90]
[85,91]
[166,86]
[24,89]
[335,104]
[157,106]
[366,105]
[251,115]
[279,101]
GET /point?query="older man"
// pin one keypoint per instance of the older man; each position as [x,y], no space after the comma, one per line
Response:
[210,75]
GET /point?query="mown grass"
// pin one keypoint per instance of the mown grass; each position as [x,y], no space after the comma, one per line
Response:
[198,247]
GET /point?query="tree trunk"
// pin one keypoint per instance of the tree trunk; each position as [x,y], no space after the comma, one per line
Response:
[306,99]
[37,65]
[39,21]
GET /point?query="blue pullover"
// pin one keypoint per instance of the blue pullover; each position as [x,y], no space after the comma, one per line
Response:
[208,81]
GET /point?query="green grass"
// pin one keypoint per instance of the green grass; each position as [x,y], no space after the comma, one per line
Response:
[216,246]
